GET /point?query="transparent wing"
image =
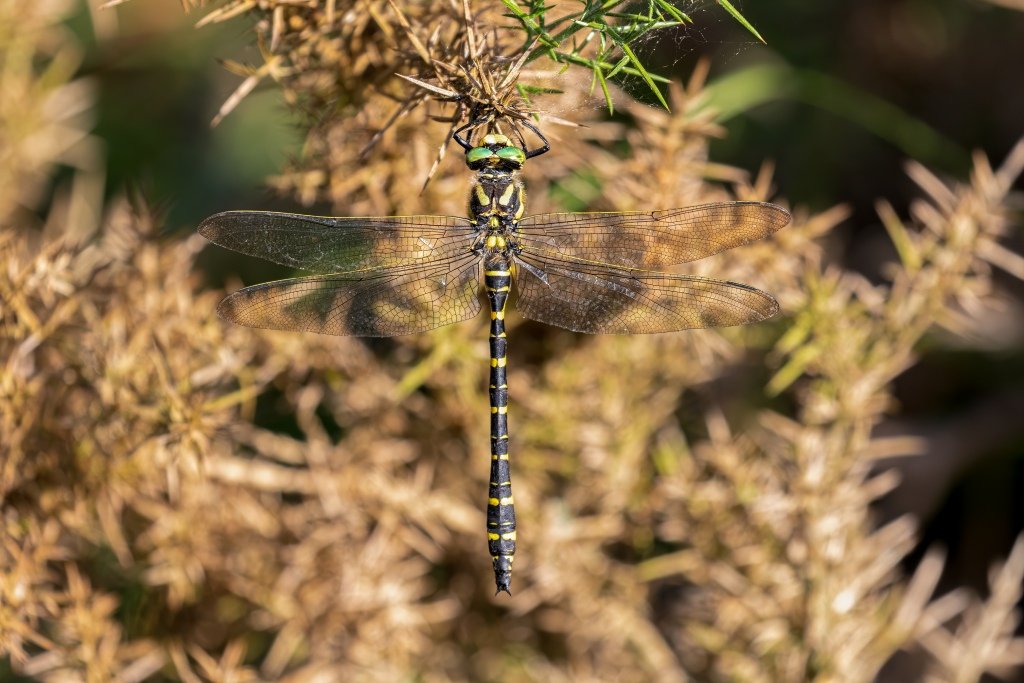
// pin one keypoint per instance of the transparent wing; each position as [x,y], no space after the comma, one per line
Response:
[651,239]
[591,298]
[322,244]
[388,303]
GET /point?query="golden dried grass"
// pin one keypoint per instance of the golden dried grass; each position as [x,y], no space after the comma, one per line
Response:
[153,530]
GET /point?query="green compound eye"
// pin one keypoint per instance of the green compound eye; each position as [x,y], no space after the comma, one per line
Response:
[513,154]
[478,154]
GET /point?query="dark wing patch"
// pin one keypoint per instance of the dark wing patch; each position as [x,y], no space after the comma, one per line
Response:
[368,304]
[596,299]
[650,239]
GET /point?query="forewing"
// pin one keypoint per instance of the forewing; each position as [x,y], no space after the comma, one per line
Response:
[385,304]
[323,244]
[651,239]
[582,297]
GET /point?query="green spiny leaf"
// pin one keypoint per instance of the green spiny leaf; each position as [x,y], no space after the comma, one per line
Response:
[644,75]
[740,18]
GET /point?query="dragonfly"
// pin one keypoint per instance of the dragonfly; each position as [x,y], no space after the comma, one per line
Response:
[596,273]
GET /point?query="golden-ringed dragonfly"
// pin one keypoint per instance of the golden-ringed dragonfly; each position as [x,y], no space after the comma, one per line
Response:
[586,272]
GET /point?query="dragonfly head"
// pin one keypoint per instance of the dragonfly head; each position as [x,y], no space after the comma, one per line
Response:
[495,151]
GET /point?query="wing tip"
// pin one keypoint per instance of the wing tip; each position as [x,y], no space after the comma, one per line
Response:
[235,309]
[209,226]
[763,307]
[771,311]
[767,305]
[784,216]
[781,217]
[228,308]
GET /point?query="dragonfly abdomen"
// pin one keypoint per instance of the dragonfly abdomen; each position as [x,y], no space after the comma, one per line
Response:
[501,512]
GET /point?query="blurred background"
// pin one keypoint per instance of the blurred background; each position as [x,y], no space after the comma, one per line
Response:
[824,118]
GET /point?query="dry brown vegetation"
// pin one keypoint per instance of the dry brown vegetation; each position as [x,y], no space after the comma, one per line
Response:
[153,530]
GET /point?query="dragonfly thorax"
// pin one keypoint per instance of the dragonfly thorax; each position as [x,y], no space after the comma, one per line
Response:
[497,201]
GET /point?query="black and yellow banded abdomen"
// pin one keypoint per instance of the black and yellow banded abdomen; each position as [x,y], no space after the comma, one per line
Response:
[501,512]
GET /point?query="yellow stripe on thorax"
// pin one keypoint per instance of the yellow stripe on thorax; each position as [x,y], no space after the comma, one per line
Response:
[481,196]
[506,196]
